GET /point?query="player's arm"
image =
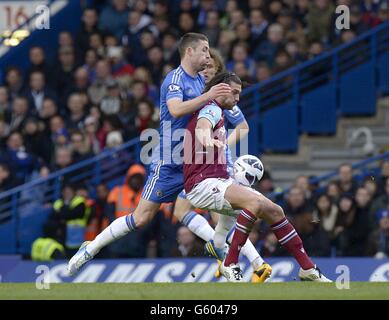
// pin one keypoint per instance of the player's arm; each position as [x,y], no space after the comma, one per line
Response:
[241,127]
[204,134]
[179,108]
[239,132]
[206,121]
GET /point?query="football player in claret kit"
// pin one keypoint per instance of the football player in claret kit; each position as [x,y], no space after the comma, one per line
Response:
[209,186]
[181,95]
[183,210]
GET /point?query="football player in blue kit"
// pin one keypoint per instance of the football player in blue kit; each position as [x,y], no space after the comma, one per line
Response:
[181,95]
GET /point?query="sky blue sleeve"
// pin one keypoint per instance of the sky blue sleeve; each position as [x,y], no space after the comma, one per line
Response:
[211,112]
[174,88]
[234,116]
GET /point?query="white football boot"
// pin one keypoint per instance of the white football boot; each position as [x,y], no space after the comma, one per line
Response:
[79,259]
[232,273]
[313,274]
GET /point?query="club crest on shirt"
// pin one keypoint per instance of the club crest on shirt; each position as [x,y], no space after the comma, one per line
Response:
[211,112]
[159,193]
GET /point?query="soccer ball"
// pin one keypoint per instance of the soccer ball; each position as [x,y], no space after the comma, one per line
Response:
[248,170]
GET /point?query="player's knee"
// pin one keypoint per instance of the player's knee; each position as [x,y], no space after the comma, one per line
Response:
[272,212]
[255,207]
[143,219]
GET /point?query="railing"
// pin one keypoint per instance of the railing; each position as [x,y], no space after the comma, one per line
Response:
[309,97]
[103,168]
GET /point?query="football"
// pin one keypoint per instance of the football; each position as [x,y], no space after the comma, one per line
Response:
[248,170]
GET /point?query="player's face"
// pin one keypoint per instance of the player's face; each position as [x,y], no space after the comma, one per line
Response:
[200,55]
[232,99]
[210,71]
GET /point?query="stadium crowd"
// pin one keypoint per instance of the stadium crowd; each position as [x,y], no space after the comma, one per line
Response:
[103,89]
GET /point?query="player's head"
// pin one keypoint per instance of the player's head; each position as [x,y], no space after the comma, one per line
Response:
[215,65]
[227,101]
[194,48]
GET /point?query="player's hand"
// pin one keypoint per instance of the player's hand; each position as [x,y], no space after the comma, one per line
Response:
[220,89]
[214,143]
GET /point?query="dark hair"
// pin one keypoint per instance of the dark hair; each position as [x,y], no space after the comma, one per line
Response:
[219,63]
[190,39]
[223,77]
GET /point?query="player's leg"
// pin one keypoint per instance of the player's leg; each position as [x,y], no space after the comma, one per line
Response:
[262,270]
[143,214]
[258,206]
[184,212]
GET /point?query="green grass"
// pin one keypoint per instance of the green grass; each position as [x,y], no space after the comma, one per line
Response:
[196,291]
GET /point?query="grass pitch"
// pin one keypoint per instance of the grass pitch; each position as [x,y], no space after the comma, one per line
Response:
[195,291]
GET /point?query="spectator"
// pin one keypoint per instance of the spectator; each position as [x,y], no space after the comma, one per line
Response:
[113,18]
[39,63]
[169,49]
[90,131]
[266,51]
[211,28]
[155,63]
[263,72]
[81,81]
[381,203]
[319,19]
[70,212]
[63,159]
[19,161]
[370,184]
[59,135]
[7,179]
[91,58]
[383,175]
[147,116]
[188,245]
[122,200]
[16,117]
[96,44]
[88,27]
[240,54]
[325,213]
[77,112]
[121,69]
[64,72]
[37,92]
[259,26]
[333,191]
[14,82]
[98,220]
[49,247]
[378,245]
[315,49]
[80,147]
[345,219]
[316,240]
[36,141]
[265,185]
[98,89]
[302,182]
[4,101]
[295,203]
[186,23]
[346,182]
[112,102]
